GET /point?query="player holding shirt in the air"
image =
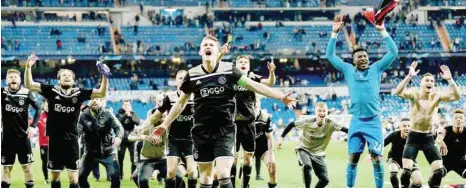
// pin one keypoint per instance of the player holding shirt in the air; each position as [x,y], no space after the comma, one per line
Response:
[377,14]
[64,103]
[16,132]
[398,141]
[264,144]
[214,131]
[453,145]
[364,86]
[44,140]
[180,143]
[423,108]
[245,116]
[316,135]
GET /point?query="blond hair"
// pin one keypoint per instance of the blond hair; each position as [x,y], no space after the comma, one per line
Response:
[243,56]
[321,105]
[13,71]
[210,37]
[64,70]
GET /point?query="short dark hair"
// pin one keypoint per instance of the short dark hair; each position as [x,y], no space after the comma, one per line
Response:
[358,49]
[405,119]
[126,100]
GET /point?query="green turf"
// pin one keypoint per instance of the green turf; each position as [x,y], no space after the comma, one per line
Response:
[289,173]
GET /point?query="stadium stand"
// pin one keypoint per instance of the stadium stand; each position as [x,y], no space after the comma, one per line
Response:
[38,39]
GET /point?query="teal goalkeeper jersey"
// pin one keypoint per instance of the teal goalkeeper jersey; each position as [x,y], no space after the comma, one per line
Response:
[363,86]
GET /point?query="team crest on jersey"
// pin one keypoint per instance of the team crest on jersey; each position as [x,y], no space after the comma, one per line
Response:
[222,80]
[21,102]
[74,100]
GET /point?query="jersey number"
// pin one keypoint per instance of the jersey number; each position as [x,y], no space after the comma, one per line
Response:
[378,147]
[30,157]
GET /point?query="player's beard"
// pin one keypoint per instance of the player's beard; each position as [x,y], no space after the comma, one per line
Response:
[13,86]
[65,87]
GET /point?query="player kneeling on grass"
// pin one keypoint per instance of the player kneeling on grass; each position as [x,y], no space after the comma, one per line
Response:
[214,132]
[395,155]
[423,108]
[16,132]
[102,134]
[64,103]
[316,135]
[452,141]
[152,156]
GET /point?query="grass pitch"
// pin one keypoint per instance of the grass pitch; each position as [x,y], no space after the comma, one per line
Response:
[288,171]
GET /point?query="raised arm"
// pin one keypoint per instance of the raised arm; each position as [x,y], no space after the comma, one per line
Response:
[28,81]
[401,88]
[265,90]
[392,53]
[270,81]
[330,52]
[176,110]
[455,93]
[101,92]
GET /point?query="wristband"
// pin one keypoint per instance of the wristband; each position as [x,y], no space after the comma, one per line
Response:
[334,35]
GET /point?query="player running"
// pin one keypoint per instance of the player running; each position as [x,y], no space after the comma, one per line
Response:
[214,131]
[102,134]
[316,135]
[398,141]
[264,144]
[152,156]
[180,143]
[245,116]
[423,107]
[44,140]
[17,133]
[453,145]
[64,102]
[364,86]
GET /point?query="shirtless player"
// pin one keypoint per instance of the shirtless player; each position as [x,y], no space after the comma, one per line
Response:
[423,107]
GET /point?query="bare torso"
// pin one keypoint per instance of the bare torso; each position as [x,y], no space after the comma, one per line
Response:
[423,109]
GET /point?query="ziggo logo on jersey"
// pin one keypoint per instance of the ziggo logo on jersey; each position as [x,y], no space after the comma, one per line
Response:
[211,91]
[13,109]
[63,109]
